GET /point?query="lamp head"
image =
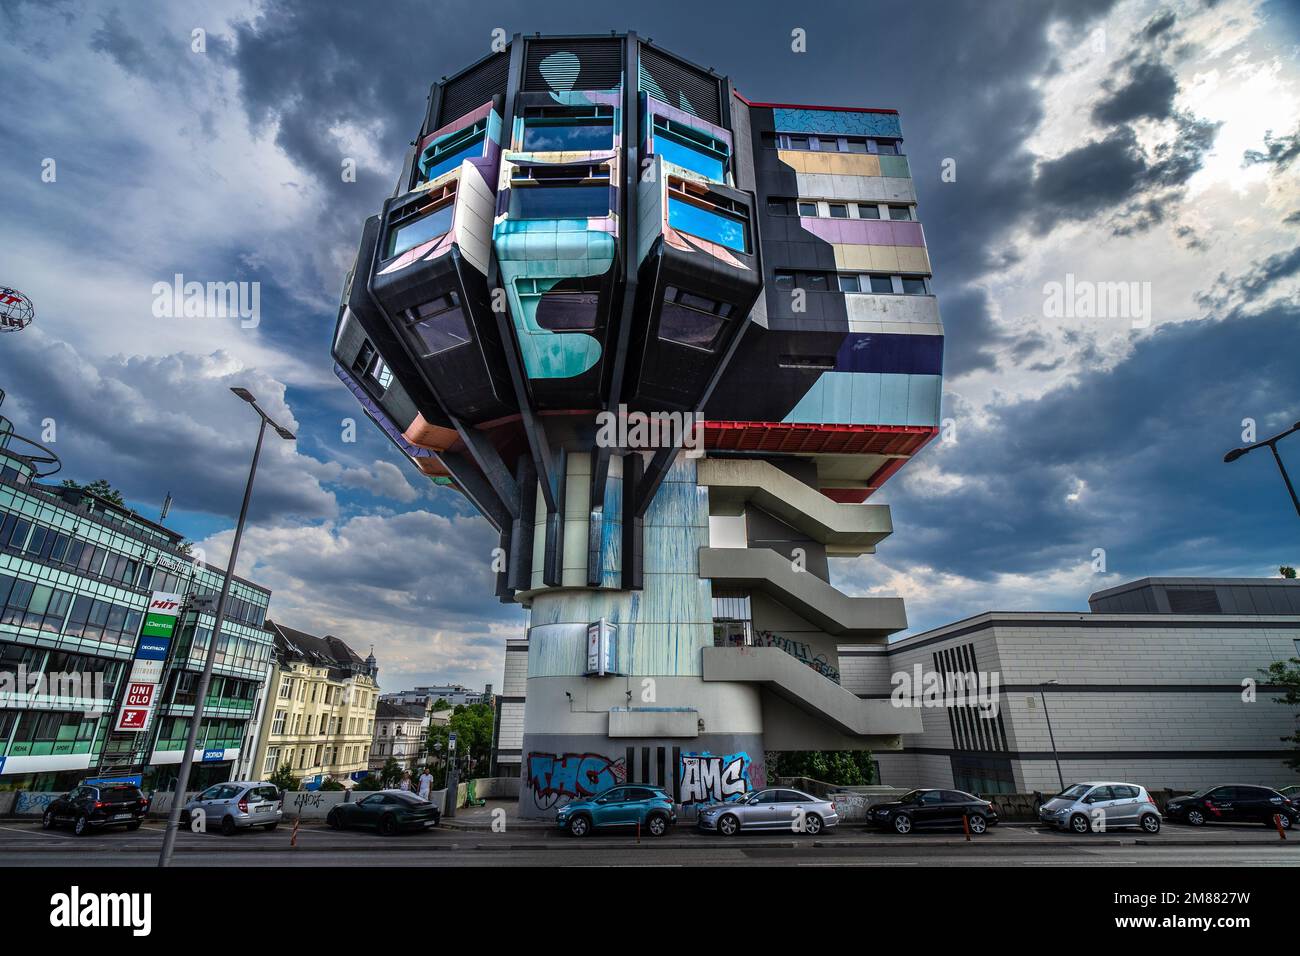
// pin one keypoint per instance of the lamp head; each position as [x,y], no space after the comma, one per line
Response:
[245,394]
[1234,454]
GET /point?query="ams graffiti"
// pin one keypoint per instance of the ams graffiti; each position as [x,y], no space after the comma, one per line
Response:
[707,778]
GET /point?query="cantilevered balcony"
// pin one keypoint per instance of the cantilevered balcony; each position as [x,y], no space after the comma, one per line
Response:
[428,276]
[698,277]
[850,619]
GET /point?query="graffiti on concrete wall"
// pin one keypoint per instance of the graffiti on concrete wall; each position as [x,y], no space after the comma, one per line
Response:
[553,777]
[801,651]
[706,778]
[30,801]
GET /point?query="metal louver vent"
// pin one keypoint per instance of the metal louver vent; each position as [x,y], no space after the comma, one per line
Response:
[561,65]
[473,88]
[681,86]
[1187,601]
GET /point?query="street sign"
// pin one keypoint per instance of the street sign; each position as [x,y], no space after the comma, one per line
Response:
[204,603]
[451,741]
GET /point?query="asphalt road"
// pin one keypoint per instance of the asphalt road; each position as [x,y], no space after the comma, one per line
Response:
[23,843]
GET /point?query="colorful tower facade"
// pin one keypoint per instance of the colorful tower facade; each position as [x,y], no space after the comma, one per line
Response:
[668,341]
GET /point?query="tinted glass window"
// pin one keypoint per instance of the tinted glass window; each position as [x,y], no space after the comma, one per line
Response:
[1101,793]
[932,796]
[686,326]
[562,311]
[439,325]
[570,135]
[1124,793]
[559,202]
[707,224]
[791,796]
[914,287]
[411,234]
[881,284]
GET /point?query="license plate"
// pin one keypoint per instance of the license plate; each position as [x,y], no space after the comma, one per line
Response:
[121,816]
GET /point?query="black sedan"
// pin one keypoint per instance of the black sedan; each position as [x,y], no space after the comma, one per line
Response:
[94,808]
[1235,803]
[388,811]
[920,809]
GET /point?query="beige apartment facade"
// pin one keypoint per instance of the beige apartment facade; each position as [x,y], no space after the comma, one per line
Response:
[319,716]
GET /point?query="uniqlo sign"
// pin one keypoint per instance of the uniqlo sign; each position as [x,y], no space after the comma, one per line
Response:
[140,695]
[146,669]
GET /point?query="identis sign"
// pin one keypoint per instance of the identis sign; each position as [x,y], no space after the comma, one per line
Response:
[150,654]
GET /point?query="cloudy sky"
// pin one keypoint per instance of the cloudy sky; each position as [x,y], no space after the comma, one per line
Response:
[1093,141]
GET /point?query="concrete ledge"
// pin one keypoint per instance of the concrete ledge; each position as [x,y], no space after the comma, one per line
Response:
[849,529]
[803,592]
[653,722]
[809,691]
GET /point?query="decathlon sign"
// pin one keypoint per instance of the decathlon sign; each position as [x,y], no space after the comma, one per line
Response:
[150,654]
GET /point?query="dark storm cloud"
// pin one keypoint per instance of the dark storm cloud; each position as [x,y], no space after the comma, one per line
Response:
[1148,93]
[1241,290]
[1147,437]
[1278,152]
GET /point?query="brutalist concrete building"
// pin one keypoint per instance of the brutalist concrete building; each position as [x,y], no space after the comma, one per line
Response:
[593,240]
[1160,684]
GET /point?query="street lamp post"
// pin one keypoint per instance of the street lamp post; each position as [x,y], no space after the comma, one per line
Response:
[187,757]
[1050,736]
[1271,444]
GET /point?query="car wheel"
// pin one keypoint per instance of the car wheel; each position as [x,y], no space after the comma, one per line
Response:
[228,826]
[579,826]
[1150,823]
[1285,822]
[133,826]
[82,825]
[334,820]
[387,825]
[978,825]
[1079,824]
[812,824]
[729,824]
[271,826]
[47,820]
[1195,818]
[657,825]
[902,823]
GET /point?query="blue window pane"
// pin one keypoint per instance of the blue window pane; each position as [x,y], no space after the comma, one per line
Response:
[582,136]
[687,157]
[451,160]
[559,202]
[430,226]
[700,222]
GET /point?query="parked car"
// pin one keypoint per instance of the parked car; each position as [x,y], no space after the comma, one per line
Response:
[776,809]
[1292,792]
[388,811]
[1234,803]
[623,806]
[237,805]
[919,809]
[1113,805]
[94,808]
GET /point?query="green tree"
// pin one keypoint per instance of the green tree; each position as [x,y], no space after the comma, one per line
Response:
[1287,571]
[1286,674]
[473,727]
[391,774]
[284,778]
[101,487]
[440,704]
[844,768]
[369,782]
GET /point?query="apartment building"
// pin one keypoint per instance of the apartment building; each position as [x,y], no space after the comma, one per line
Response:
[319,717]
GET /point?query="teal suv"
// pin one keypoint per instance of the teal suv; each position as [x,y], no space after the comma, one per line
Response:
[627,806]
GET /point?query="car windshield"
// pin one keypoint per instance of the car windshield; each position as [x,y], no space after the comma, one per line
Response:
[1074,792]
[1202,792]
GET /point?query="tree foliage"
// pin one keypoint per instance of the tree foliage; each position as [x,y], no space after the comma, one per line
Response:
[284,778]
[844,768]
[1286,674]
[473,727]
[100,487]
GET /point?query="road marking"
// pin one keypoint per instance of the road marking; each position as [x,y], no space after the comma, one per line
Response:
[45,833]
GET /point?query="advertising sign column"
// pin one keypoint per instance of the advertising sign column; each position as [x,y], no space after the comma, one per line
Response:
[146,670]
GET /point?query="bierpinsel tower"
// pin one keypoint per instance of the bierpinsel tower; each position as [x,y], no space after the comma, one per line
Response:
[668,341]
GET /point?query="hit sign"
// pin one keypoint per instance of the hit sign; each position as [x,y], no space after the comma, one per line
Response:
[150,654]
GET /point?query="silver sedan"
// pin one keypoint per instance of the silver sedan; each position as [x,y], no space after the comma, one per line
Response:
[775,809]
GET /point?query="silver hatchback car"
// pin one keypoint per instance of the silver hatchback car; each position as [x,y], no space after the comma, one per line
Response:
[1100,806]
[774,809]
[236,805]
